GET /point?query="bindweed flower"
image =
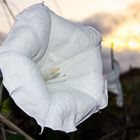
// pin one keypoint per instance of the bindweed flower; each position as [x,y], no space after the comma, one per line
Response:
[114,84]
[52,68]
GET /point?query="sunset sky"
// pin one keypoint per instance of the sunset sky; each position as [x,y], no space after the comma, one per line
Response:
[76,10]
[117,20]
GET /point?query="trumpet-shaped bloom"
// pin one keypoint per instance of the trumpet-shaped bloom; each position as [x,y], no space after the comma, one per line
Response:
[114,84]
[52,68]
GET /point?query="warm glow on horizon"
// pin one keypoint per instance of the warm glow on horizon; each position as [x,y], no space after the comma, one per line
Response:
[133,45]
[125,37]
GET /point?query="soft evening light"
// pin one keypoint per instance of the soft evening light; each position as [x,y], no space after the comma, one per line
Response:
[125,37]
[133,45]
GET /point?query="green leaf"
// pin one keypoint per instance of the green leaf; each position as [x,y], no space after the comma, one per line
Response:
[7,107]
[15,137]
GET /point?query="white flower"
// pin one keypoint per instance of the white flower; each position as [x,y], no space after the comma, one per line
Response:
[52,69]
[114,84]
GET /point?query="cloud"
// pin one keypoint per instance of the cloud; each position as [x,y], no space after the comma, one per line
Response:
[134,11]
[106,23]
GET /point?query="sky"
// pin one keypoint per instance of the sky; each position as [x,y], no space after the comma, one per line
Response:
[117,20]
[76,10]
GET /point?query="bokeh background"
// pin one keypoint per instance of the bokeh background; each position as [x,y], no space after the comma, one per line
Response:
[119,23]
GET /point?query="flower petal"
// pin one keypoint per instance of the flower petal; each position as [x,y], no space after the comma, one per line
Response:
[69,108]
[23,80]
[42,46]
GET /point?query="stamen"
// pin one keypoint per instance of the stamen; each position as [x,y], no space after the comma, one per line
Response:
[54,75]
[56,80]
[54,70]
